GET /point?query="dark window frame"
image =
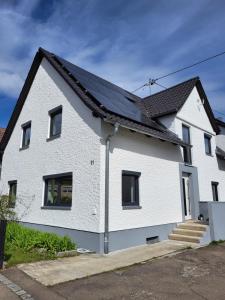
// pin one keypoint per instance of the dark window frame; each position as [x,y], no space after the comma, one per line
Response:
[208,138]
[58,178]
[10,184]
[216,195]
[24,127]
[136,203]
[187,155]
[52,113]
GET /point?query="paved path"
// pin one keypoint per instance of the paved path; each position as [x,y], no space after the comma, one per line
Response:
[6,294]
[65,269]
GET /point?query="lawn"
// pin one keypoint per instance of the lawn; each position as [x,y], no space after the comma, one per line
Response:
[25,245]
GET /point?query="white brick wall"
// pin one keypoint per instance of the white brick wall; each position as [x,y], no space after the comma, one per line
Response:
[159,183]
[72,152]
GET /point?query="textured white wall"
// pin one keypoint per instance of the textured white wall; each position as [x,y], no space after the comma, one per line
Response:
[194,115]
[159,184]
[72,152]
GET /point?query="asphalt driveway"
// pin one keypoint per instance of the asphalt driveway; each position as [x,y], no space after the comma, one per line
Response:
[193,274]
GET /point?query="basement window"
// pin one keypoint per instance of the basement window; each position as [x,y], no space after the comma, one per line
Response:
[152,240]
[130,189]
[58,190]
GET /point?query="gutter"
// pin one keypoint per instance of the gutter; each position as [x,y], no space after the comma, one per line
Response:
[107,149]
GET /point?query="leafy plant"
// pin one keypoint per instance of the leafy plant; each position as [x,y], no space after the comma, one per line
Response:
[18,236]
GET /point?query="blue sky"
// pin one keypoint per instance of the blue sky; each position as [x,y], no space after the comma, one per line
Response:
[124,41]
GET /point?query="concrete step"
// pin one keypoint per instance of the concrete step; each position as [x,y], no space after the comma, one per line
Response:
[188,232]
[192,226]
[184,238]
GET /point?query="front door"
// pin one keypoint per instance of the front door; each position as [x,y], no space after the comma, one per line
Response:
[186,195]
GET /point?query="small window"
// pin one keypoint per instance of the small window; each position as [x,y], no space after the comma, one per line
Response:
[130,188]
[215,191]
[187,149]
[58,190]
[208,149]
[12,193]
[55,122]
[26,134]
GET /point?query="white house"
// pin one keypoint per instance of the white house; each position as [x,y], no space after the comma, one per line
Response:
[104,166]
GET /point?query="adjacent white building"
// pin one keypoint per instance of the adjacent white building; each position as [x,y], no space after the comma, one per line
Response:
[104,166]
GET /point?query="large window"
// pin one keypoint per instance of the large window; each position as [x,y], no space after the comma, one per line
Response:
[58,190]
[215,191]
[26,134]
[12,193]
[208,148]
[130,188]
[55,122]
[187,140]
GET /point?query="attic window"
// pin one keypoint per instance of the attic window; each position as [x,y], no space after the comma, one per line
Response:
[26,134]
[55,122]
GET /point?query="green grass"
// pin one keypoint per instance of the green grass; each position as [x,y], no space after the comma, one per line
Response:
[16,256]
[25,245]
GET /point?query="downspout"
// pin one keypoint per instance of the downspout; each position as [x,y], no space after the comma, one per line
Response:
[107,149]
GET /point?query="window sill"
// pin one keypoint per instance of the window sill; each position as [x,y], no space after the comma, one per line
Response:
[209,154]
[53,137]
[125,207]
[24,147]
[56,207]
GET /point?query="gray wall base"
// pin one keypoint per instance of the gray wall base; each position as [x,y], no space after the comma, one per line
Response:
[137,236]
[83,239]
[117,239]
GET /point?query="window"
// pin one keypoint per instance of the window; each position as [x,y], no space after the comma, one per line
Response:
[215,191]
[130,188]
[58,190]
[208,149]
[12,193]
[26,134]
[187,140]
[55,122]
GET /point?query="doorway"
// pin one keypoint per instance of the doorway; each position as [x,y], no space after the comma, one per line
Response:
[186,195]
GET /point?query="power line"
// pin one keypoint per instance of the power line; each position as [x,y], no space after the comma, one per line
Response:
[161,85]
[153,81]
[190,66]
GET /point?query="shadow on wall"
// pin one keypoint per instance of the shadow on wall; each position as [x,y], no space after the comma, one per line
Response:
[141,144]
[221,164]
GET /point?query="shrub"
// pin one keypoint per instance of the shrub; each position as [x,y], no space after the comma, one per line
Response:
[18,236]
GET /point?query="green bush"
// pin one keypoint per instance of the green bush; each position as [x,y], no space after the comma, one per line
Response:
[18,236]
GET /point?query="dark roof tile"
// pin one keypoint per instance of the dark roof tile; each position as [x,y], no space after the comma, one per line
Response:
[169,100]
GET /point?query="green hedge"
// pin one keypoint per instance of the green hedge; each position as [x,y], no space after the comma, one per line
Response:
[18,236]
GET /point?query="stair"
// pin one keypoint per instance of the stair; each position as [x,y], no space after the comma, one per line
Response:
[190,231]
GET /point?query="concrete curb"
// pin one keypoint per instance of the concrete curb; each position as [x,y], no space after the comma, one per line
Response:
[16,289]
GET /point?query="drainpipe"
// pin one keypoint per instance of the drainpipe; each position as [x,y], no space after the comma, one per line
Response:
[107,149]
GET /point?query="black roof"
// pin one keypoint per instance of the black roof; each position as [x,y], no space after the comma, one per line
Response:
[106,100]
[171,100]
[220,122]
